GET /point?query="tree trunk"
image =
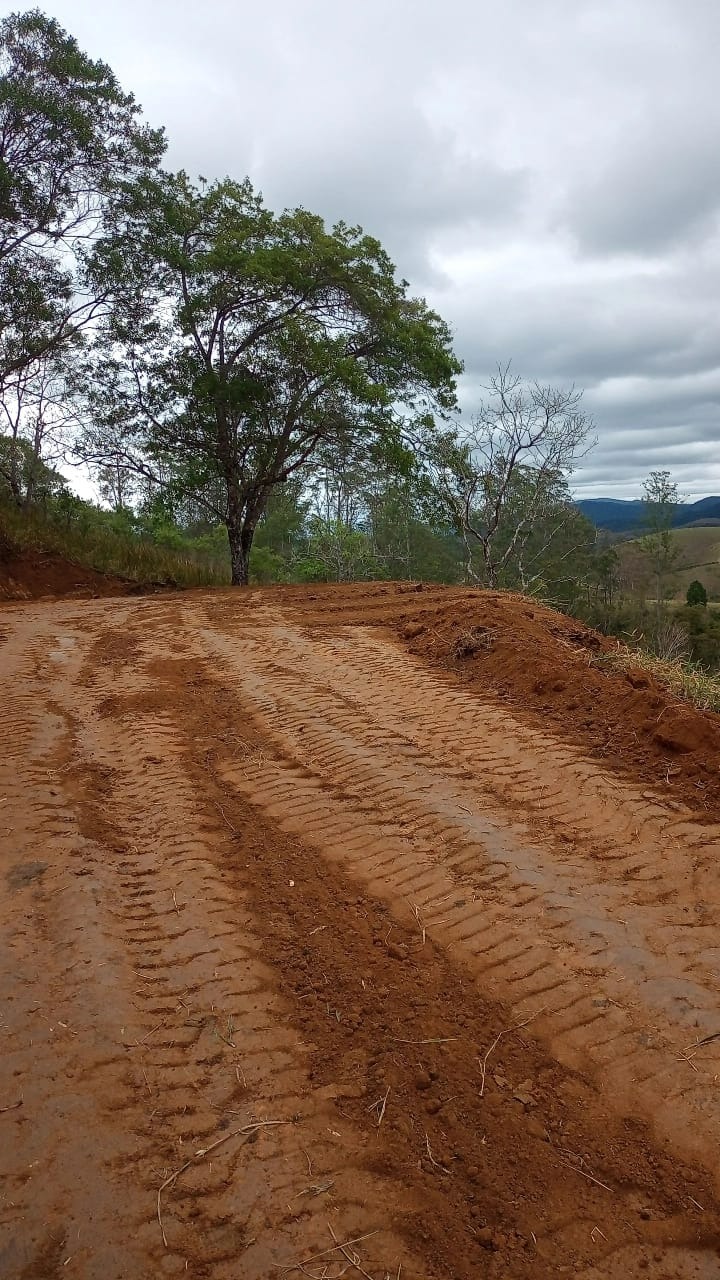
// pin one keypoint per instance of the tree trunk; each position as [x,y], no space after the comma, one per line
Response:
[240,537]
[490,570]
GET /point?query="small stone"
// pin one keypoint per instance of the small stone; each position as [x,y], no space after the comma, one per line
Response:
[422,1080]
[537,1129]
[397,951]
[486,1237]
[524,1096]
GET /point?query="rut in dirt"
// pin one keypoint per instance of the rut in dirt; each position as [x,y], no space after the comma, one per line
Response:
[404,970]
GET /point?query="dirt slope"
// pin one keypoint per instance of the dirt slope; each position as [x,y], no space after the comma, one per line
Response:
[310,939]
[34,574]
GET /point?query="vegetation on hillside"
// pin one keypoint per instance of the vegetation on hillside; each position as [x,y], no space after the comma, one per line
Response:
[121,543]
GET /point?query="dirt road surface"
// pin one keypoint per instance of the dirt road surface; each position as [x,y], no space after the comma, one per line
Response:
[318,961]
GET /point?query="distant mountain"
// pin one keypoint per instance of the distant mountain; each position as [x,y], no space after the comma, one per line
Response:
[705,509]
[612,513]
[621,516]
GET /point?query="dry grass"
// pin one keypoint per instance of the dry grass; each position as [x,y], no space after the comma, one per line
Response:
[685,679]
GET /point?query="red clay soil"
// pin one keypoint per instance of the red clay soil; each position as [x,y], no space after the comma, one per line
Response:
[329,958]
[551,666]
[550,670]
[34,575]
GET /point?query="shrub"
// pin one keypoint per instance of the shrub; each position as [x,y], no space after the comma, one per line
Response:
[703,628]
[696,594]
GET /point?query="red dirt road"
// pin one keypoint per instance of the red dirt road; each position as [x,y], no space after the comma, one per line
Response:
[308,941]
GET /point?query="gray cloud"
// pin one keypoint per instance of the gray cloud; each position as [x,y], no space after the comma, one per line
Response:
[545,171]
[661,191]
[401,180]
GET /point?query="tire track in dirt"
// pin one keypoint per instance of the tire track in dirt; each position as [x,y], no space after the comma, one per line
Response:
[560,902]
[199,1046]
[51,1015]
[367,1022]
[146,735]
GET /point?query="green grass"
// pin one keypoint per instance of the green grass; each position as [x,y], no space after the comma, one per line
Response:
[91,541]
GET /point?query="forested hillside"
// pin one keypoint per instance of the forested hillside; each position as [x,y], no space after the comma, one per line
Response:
[623,516]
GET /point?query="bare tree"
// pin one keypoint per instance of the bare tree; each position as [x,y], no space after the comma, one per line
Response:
[659,545]
[501,479]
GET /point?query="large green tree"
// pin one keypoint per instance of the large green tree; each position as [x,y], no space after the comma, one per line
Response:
[72,147]
[246,341]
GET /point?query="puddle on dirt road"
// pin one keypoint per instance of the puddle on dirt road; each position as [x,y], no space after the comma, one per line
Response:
[64,646]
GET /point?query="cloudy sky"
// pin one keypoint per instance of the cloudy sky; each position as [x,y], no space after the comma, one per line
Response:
[546,172]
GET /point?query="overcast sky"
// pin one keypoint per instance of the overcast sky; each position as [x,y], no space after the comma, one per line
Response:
[546,172]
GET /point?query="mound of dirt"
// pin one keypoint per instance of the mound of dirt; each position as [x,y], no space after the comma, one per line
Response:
[32,575]
[553,671]
[558,673]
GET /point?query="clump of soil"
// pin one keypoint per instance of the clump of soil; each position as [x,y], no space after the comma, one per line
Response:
[684,730]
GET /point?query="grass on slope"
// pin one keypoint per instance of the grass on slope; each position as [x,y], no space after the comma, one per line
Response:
[685,679]
[96,545]
[699,557]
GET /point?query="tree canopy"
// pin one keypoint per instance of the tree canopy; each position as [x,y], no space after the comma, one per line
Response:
[72,146]
[243,341]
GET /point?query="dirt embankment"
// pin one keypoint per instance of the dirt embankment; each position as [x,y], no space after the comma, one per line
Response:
[549,669]
[328,957]
[34,574]
[558,673]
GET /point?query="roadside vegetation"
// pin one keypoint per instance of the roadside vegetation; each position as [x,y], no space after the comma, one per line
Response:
[688,680]
[114,543]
